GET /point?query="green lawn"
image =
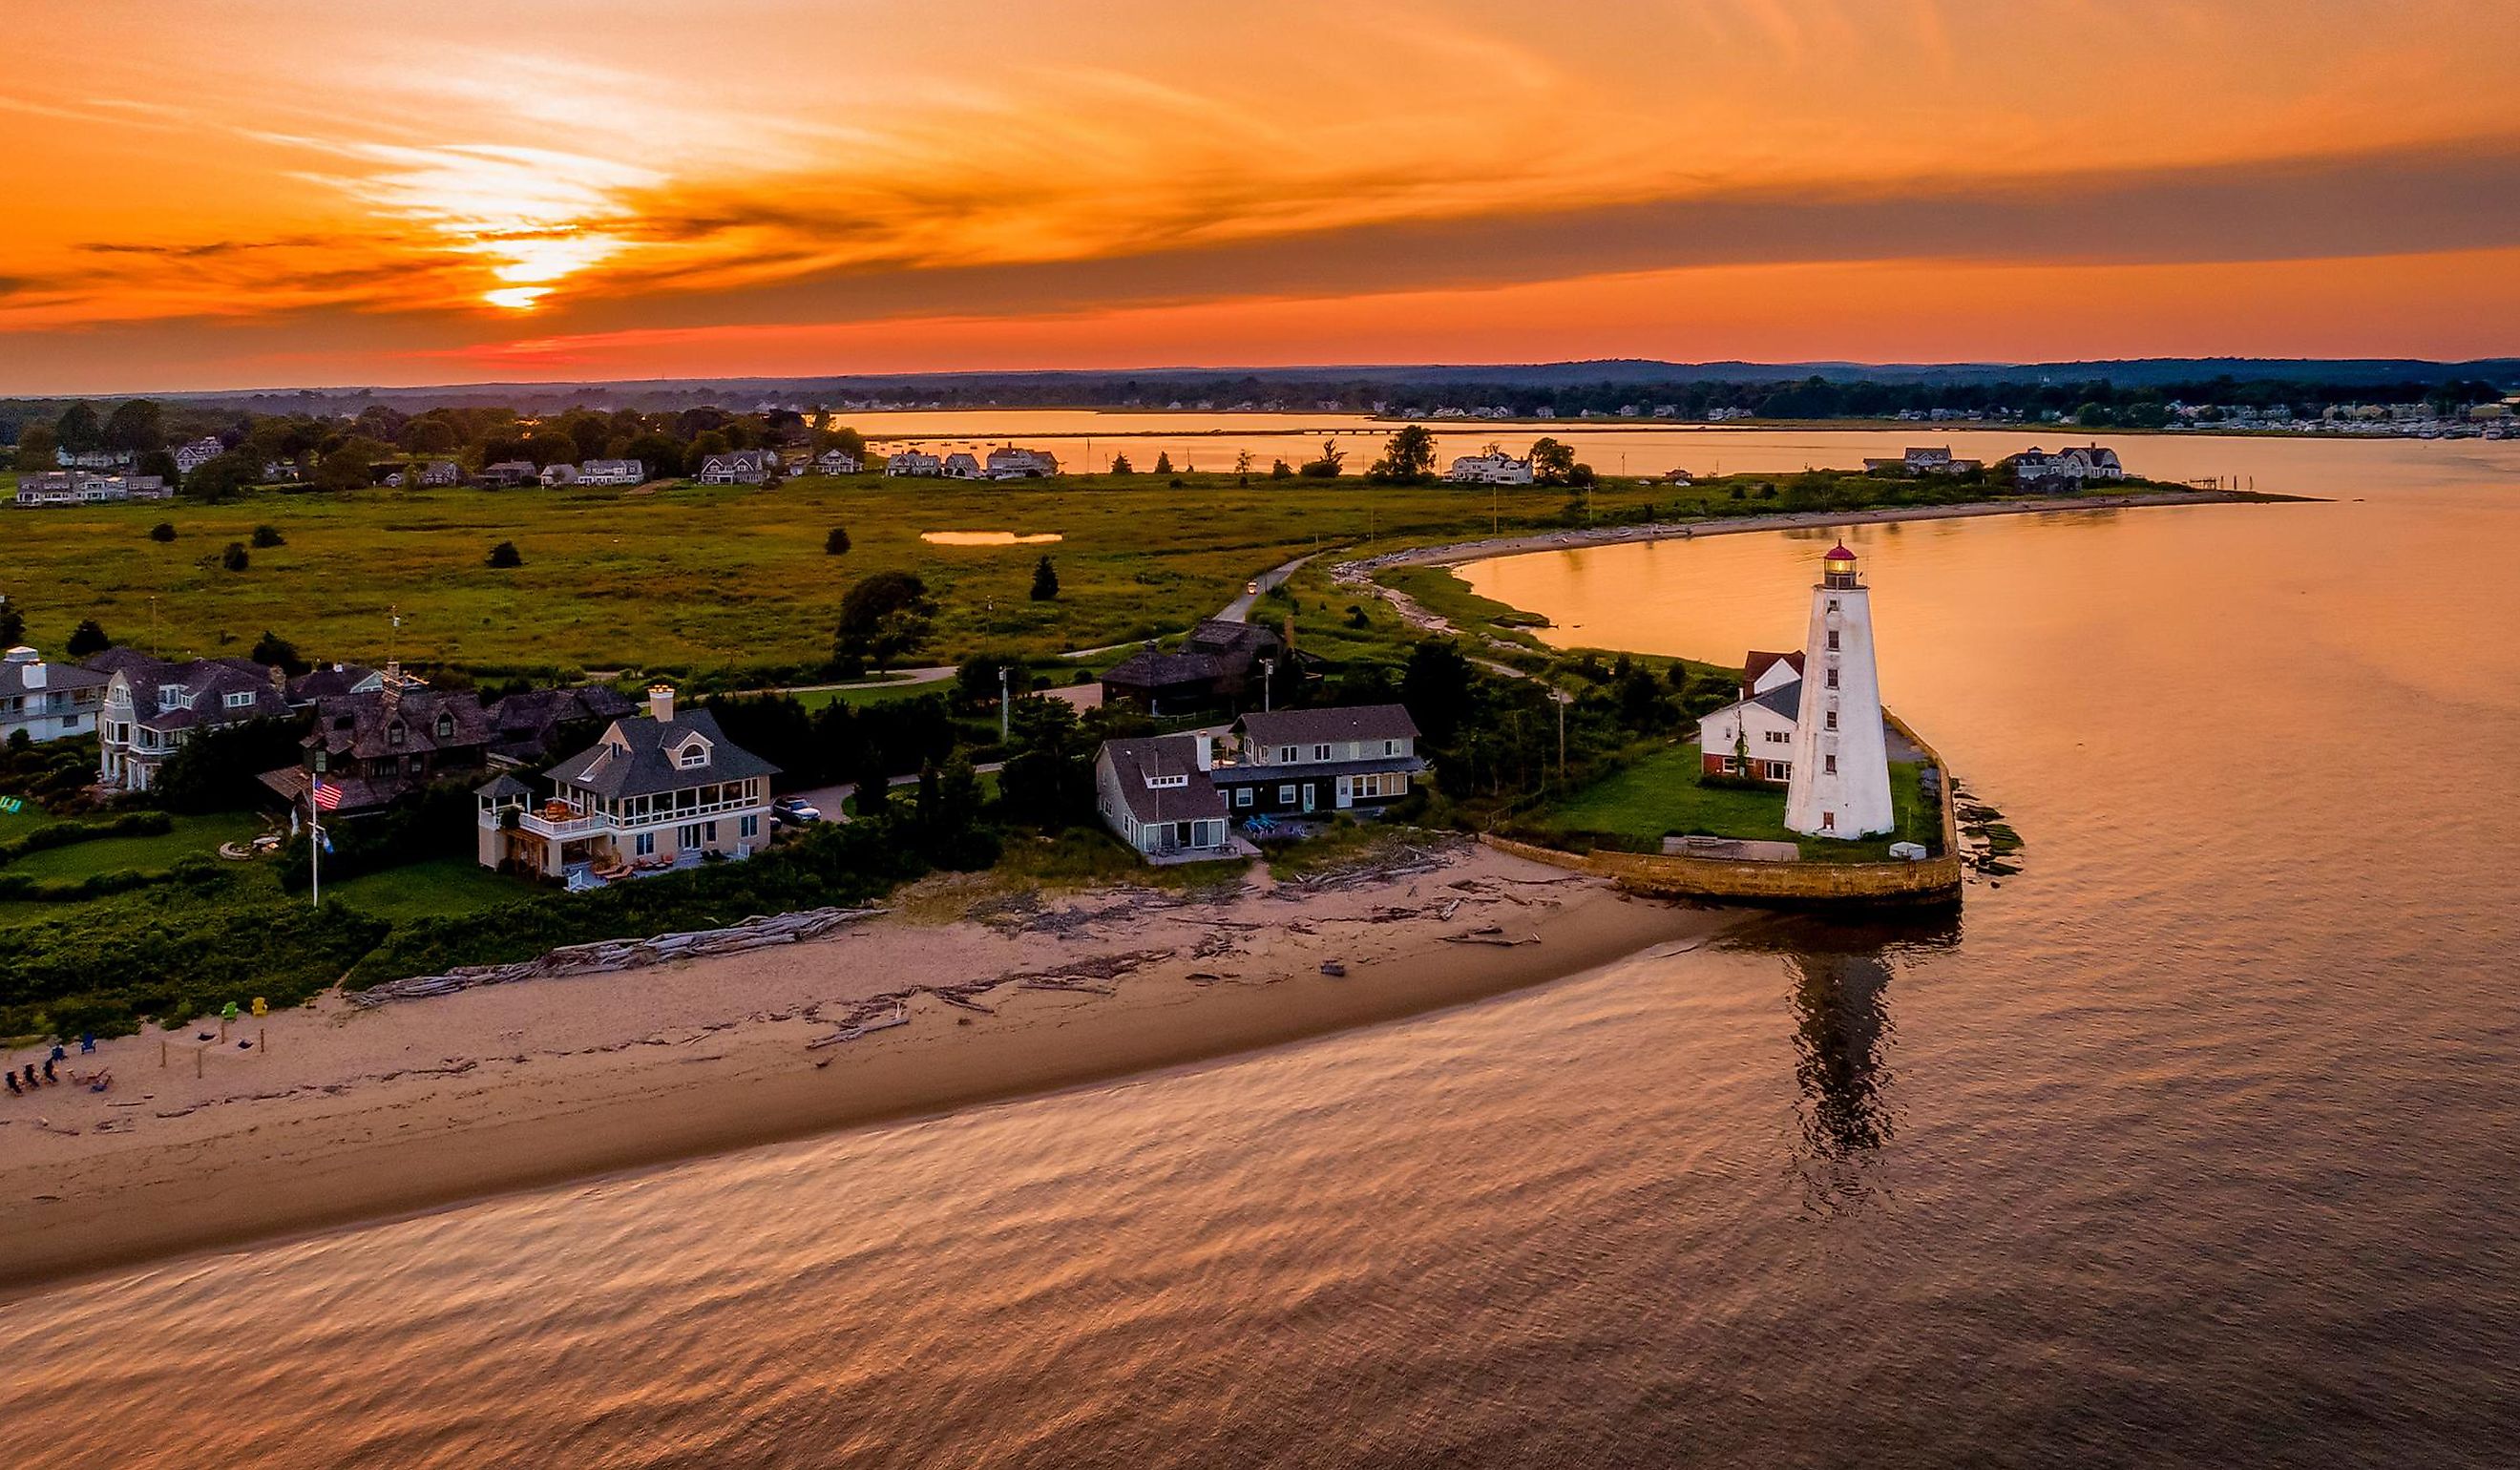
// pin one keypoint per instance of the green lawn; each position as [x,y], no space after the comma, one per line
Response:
[1660,795]
[189,835]
[873,694]
[428,889]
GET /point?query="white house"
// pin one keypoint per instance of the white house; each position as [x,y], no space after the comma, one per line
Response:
[2066,469]
[657,790]
[1924,461]
[192,456]
[838,461]
[1839,786]
[1155,794]
[438,473]
[1012,464]
[92,458]
[47,700]
[612,473]
[914,461]
[960,466]
[1494,468]
[88,487]
[742,466]
[558,474]
[1754,735]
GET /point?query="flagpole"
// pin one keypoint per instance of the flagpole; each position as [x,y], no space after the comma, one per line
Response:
[314,846]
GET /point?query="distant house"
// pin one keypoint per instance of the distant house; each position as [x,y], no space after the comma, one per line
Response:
[510,473]
[280,472]
[1220,661]
[914,463]
[1754,735]
[1012,464]
[88,487]
[1317,760]
[1494,468]
[742,467]
[50,487]
[659,789]
[612,473]
[553,475]
[381,746]
[192,456]
[437,473]
[1924,461]
[93,459]
[1155,795]
[960,466]
[46,701]
[2067,469]
[838,461]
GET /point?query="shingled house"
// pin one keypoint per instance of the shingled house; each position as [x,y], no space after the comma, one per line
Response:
[1220,662]
[660,789]
[1319,760]
[1155,795]
[390,742]
[523,725]
[153,705]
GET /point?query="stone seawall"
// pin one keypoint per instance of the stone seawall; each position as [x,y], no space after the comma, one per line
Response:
[1935,879]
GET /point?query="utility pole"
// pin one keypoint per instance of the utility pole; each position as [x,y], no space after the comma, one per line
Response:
[1268,682]
[1005,702]
[1562,699]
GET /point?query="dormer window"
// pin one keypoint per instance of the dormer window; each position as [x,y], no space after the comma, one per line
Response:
[692,754]
[239,699]
[171,694]
[394,732]
[1158,783]
[446,725]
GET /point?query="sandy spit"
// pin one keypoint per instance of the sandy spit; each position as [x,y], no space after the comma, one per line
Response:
[347,1113]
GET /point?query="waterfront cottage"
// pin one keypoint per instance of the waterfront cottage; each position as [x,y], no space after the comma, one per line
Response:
[523,725]
[1355,757]
[556,475]
[46,701]
[2066,470]
[836,461]
[1155,795]
[437,474]
[658,790]
[1494,468]
[960,466]
[1012,464]
[1926,460]
[917,462]
[152,706]
[509,474]
[742,467]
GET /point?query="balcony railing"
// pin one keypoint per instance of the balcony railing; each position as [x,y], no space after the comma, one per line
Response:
[561,827]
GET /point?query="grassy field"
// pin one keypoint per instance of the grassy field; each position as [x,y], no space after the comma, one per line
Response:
[1660,795]
[691,579]
[429,888]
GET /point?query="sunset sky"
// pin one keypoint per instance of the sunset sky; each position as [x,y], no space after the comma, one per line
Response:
[321,192]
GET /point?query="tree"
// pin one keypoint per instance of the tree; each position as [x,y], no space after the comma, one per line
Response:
[273,651]
[835,543]
[13,625]
[1326,468]
[1045,582]
[234,558]
[1242,468]
[1049,777]
[1407,455]
[1164,462]
[1279,470]
[88,638]
[36,444]
[1120,464]
[949,816]
[657,455]
[1553,463]
[162,531]
[136,427]
[873,780]
[267,537]
[504,555]
[159,463]
[1437,688]
[883,617]
[222,478]
[77,429]
[346,468]
[975,683]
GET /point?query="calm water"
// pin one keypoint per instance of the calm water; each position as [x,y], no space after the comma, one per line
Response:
[2190,1145]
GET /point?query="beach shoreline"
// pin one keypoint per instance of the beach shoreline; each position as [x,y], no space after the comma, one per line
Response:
[1459,553]
[348,1113]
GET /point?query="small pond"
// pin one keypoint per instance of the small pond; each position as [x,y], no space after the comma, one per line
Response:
[990,538]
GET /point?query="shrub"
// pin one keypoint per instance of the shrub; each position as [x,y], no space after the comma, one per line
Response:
[162,531]
[267,537]
[234,558]
[837,543]
[505,554]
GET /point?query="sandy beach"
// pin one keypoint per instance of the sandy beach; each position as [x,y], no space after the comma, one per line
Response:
[349,1112]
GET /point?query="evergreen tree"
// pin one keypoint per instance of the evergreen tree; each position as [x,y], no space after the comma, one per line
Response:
[505,554]
[837,543]
[1164,462]
[1045,582]
[88,638]
[234,558]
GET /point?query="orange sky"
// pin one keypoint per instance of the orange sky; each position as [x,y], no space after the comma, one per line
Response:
[285,192]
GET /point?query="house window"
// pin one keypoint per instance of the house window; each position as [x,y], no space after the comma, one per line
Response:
[708,832]
[1286,752]
[446,725]
[393,734]
[644,845]
[1285,797]
[241,700]
[1158,783]
[319,762]
[1731,767]
[1779,770]
[691,756]
[1321,752]
[1833,679]
[1242,797]
[748,827]
[1832,636]
[1780,738]
[1833,719]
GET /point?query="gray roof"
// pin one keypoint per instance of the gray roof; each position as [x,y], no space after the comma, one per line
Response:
[1133,761]
[57,677]
[1785,700]
[504,787]
[362,726]
[209,681]
[633,758]
[1311,727]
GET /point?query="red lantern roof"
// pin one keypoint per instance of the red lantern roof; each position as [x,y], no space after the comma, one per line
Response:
[1839,553]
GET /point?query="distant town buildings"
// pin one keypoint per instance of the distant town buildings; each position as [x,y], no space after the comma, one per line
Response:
[961,466]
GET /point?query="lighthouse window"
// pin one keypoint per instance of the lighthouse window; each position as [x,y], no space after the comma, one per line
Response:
[1828,822]
[1832,636]
[1828,764]
[1833,719]
[1833,679]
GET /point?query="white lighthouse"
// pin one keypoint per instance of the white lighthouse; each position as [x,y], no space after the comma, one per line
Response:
[1840,783]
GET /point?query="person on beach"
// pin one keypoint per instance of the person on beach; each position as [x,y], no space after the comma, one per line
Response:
[15,1091]
[49,1078]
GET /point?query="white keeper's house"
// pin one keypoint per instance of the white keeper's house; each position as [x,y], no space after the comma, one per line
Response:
[1754,736]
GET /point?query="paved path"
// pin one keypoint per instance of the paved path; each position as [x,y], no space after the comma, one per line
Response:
[1240,609]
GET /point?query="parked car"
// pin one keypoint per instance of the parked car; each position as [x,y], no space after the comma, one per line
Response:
[795,811]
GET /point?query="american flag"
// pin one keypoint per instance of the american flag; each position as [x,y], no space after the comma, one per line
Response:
[324,797]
